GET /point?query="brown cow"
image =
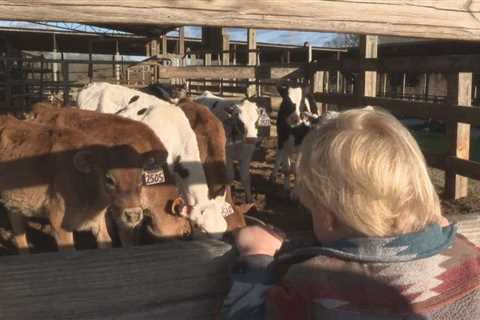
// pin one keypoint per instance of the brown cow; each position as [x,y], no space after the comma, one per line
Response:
[211,143]
[114,130]
[68,177]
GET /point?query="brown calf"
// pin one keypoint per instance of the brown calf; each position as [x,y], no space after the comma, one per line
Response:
[114,130]
[69,178]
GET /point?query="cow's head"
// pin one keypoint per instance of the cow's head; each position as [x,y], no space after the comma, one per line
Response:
[249,115]
[116,175]
[297,105]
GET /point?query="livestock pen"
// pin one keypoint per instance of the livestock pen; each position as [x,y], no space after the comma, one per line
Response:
[188,280]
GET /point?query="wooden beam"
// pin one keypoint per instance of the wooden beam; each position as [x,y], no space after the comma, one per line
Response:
[229,72]
[252,47]
[427,64]
[181,41]
[252,57]
[163,41]
[173,280]
[458,134]
[367,85]
[435,111]
[439,19]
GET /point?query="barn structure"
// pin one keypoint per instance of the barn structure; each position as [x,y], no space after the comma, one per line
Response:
[148,282]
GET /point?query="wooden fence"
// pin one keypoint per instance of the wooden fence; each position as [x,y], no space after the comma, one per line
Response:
[24,80]
[173,280]
[456,111]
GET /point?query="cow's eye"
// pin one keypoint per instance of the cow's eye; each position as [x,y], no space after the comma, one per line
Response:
[109,182]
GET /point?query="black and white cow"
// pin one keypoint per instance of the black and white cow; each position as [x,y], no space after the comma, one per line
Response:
[297,112]
[244,123]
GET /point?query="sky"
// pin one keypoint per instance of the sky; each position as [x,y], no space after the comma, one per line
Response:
[272,36]
[268,36]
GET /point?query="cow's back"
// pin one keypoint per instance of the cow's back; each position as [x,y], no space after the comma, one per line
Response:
[37,162]
[108,128]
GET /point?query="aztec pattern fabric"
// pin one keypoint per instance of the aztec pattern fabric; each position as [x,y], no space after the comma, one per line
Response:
[432,274]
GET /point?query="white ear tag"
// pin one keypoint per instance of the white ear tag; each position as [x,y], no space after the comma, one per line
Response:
[154,176]
[227,210]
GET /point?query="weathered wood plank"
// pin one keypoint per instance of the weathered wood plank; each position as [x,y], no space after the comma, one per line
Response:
[127,283]
[229,72]
[458,134]
[447,63]
[424,110]
[368,79]
[448,19]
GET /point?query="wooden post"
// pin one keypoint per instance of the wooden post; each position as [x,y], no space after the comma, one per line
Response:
[148,51]
[326,89]
[164,41]
[153,48]
[66,88]
[55,56]
[90,65]
[317,86]
[181,41]
[339,75]
[116,66]
[404,85]
[384,84]
[207,61]
[427,86]
[41,76]
[252,56]
[368,79]
[225,55]
[458,134]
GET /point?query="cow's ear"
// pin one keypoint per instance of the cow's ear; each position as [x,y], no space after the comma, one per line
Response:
[83,161]
[133,99]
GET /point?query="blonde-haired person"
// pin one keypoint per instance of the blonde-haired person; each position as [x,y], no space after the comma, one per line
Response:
[384,251]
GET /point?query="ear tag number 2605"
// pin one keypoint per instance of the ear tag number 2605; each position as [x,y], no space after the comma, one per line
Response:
[152,177]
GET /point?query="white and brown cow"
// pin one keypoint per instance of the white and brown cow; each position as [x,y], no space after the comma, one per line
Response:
[69,178]
[297,112]
[172,127]
[241,120]
[113,130]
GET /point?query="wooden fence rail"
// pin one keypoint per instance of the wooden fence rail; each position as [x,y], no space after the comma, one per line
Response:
[440,64]
[456,112]
[173,280]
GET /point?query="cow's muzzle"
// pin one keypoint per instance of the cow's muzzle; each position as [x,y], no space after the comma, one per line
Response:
[131,217]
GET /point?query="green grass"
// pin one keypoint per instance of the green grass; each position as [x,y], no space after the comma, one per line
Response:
[436,143]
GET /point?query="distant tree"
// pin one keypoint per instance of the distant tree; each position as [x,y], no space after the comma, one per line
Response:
[343,40]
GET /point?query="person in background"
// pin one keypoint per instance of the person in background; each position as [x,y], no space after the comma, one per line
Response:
[384,249]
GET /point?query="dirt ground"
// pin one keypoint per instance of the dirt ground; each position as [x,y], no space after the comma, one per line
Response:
[272,205]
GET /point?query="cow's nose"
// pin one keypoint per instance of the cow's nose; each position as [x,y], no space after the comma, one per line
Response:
[133,216]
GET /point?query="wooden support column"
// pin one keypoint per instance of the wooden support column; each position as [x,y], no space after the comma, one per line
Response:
[317,86]
[116,65]
[181,42]
[42,65]
[66,89]
[368,79]
[90,65]
[404,85]
[326,89]
[252,56]
[426,89]
[164,42]
[225,55]
[383,89]
[339,75]
[458,134]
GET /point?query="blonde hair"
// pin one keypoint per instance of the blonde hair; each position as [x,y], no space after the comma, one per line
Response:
[366,168]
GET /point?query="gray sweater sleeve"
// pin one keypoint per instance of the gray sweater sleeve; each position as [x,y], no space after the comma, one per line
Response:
[251,278]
